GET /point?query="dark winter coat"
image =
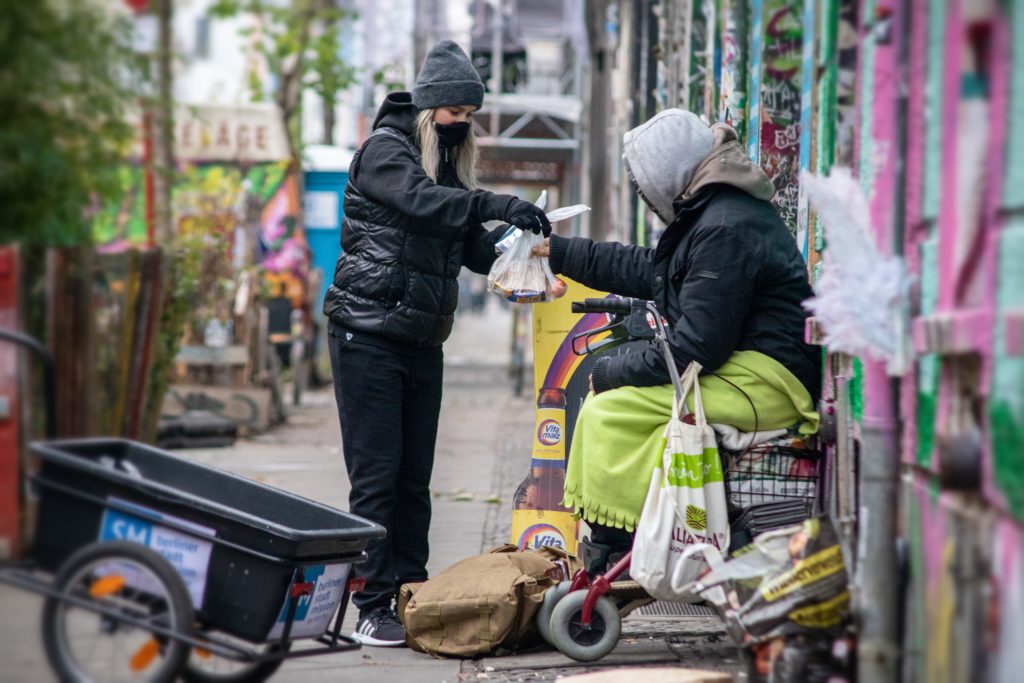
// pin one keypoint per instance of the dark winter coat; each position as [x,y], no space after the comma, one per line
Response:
[726,274]
[405,238]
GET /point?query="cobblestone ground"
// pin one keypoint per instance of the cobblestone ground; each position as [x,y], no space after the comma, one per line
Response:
[694,643]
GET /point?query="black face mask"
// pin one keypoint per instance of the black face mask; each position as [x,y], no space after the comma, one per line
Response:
[453,134]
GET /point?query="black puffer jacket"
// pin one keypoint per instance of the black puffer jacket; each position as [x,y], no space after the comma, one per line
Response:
[726,274]
[405,238]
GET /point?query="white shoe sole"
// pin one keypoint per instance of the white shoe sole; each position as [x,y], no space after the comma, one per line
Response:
[374,642]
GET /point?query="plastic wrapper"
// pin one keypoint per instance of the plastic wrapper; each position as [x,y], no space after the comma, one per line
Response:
[788,582]
[508,239]
[564,213]
[521,277]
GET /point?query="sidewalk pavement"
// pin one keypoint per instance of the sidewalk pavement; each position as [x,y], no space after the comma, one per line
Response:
[483,452]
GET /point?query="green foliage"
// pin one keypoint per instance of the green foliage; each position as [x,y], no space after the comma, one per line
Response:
[68,81]
[383,76]
[184,264]
[301,50]
[328,74]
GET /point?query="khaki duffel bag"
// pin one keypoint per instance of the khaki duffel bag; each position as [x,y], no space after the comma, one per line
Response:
[484,604]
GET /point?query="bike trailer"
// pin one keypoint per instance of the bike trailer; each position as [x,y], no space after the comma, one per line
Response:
[240,546]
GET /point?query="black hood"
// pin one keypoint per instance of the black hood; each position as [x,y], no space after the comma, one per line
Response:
[397,111]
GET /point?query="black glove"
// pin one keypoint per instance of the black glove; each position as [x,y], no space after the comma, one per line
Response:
[527,216]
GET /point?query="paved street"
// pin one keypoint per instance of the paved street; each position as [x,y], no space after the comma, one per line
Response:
[483,451]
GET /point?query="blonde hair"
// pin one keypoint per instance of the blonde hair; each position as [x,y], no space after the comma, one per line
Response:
[466,154]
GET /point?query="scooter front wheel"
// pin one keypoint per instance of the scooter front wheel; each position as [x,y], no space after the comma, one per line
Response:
[585,643]
[552,597]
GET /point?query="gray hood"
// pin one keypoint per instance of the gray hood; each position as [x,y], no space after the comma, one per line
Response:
[662,155]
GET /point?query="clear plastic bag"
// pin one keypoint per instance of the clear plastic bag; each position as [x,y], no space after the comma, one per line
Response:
[513,233]
[787,582]
[523,278]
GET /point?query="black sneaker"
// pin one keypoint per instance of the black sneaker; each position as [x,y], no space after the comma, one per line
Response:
[380,628]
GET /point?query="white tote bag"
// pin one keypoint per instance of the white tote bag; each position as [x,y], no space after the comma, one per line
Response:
[685,503]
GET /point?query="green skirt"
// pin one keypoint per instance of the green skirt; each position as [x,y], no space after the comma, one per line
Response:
[618,435]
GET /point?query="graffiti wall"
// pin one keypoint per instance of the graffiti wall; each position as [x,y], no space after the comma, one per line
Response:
[702,82]
[732,105]
[924,101]
[963,437]
[216,200]
[1005,627]
[1006,407]
[232,188]
[778,119]
[950,596]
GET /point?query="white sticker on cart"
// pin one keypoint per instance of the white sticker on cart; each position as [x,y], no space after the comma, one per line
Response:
[314,611]
[187,553]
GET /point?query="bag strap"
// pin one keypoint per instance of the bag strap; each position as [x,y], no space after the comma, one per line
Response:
[666,465]
[507,548]
[666,455]
[435,633]
[485,609]
[689,382]
[700,418]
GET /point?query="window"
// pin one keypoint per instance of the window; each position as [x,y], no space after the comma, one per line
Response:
[202,44]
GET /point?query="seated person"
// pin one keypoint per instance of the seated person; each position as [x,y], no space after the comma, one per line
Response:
[728,278]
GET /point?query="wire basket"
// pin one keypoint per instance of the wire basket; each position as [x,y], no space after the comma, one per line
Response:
[771,473]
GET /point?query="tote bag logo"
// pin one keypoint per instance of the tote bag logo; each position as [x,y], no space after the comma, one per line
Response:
[696,518]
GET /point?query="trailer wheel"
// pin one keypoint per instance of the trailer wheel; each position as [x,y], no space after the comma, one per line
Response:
[133,582]
[585,643]
[206,667]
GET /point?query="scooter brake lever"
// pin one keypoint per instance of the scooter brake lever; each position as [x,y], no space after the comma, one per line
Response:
[593,348]
[587,348]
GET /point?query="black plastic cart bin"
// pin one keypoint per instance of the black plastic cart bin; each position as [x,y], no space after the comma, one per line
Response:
[250,541]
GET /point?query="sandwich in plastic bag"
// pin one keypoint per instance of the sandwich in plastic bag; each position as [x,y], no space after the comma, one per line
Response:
[518,275]
[523,278]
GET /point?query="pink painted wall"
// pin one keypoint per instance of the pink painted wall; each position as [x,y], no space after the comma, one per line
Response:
[882,33]
[915,229]
[1000,66]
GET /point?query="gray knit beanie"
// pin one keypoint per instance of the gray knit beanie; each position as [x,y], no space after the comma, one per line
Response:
[447,79]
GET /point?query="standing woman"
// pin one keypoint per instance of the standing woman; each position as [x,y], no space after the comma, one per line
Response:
[412,219]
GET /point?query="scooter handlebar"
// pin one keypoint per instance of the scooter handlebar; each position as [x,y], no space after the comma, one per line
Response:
[607,305]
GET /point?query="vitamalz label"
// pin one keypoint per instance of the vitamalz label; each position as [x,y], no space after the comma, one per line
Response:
[548,439]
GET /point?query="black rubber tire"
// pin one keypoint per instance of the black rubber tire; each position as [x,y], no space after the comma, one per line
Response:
[179,605]
[552,597]
[585,645]
[255,673]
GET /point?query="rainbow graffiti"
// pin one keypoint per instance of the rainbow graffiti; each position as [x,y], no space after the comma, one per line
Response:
[565,361]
